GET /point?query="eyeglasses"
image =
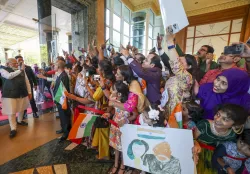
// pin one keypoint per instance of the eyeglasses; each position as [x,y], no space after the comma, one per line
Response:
[202,49]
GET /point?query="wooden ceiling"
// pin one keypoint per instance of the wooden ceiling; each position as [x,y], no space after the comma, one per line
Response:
[192,7]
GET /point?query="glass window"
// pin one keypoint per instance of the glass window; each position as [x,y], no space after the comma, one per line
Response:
[117,7]
[116,39]
[152,17]
[126,28]
[150,31]
[116,22]
[154,43]
[156,31]
[190,32]
[234,38]
[138,29]
[107,3]
[107,17]
[107,33]
[236,27]
[150,44]
[139,42]
[158,21]
[125,41]
[126,13]
[189,46]
[218,42]
[213,29]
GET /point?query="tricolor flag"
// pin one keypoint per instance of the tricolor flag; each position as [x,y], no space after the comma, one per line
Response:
[147,132]
[175,119]
[82,127]
[60,96]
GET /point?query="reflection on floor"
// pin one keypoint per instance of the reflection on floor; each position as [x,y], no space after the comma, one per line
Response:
[52,156]
[36,148]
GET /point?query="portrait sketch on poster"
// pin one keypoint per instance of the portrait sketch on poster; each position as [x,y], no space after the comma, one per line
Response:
[157,150]
[173,15]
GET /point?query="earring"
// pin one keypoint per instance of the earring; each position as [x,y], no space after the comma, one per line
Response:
[238,130]
[119,94]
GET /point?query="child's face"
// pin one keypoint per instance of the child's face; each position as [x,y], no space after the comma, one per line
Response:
[243,148]
[184,111]
[221,121]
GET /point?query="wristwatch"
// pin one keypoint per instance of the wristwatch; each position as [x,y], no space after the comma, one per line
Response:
[226,167]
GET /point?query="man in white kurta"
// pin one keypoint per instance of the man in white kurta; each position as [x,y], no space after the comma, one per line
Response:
[16,93]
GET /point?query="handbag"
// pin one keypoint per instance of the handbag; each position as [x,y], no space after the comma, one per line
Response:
[101,123]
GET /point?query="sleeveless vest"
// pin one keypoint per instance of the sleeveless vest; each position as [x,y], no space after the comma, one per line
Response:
[16,87]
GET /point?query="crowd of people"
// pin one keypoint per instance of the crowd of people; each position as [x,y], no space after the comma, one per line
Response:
[130,88]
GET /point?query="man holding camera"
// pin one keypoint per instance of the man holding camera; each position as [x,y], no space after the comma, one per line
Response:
[33,84]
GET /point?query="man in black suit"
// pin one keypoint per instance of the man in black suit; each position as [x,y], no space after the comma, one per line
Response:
[33,84]
[64,115]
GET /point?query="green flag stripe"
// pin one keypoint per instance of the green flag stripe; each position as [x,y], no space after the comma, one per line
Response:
[59,93]
[88,128]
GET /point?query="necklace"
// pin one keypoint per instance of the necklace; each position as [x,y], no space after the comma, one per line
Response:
[220,134]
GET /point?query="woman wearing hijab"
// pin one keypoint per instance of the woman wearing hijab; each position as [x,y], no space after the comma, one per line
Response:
[231,86]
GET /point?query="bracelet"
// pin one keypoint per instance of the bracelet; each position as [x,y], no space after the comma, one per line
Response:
[171,47]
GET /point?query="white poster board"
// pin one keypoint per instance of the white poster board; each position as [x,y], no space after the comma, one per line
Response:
[157,150]
[173,14]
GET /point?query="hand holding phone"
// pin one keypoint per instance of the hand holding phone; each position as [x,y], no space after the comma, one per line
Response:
[237,49]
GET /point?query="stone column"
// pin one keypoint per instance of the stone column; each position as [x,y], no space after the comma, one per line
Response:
[45,28]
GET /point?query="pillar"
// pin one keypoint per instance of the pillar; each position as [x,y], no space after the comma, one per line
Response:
[45,29]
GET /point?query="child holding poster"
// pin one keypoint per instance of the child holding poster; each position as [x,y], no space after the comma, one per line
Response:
[120,94]
[228,122]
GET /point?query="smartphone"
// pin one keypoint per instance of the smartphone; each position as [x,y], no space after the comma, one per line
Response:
[96,77]
[87,74]
[234,49]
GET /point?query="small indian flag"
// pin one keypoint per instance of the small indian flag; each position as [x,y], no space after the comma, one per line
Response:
[175,119]
[60,96]
[82,127]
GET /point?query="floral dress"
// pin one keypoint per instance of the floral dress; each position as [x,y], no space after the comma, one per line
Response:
[178,86]
[115,134]
[232,157]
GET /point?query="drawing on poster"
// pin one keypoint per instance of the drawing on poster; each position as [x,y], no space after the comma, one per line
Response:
[136,151]
[162,161]
[157,150]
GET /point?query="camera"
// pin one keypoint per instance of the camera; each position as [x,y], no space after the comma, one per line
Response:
[96,77]
[234,49]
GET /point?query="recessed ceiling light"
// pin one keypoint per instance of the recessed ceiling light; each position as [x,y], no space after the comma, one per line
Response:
[196,2]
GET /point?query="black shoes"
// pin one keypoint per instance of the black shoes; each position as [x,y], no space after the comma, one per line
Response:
[59,131]
[22,123]
[63,138]
[13,133]
[35,115]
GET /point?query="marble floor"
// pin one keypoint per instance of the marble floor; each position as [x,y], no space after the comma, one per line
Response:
[35,149]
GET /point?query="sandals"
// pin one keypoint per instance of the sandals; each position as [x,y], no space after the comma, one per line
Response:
[111,170]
